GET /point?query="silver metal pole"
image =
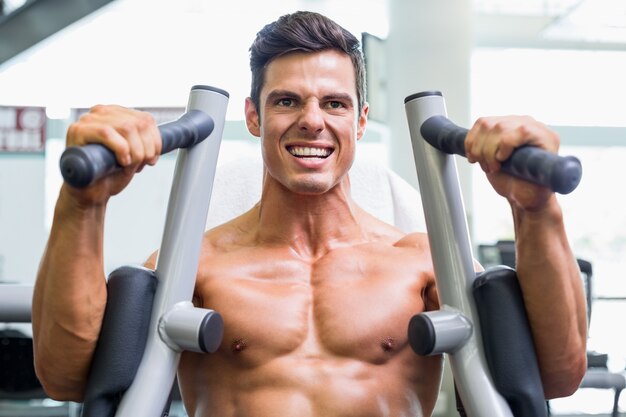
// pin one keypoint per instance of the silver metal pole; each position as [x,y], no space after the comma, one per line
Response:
[178,258]
[452,256]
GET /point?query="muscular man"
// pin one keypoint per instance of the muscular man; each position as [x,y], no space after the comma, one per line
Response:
[316,294]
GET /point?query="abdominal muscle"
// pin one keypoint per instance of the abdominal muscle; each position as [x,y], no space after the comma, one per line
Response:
[302,387]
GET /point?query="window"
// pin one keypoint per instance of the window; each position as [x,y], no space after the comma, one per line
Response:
[580,94]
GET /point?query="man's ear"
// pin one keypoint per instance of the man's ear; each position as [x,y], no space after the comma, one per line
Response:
[252,118]
[362,121]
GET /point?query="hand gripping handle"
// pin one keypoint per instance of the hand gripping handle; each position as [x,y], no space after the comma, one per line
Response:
[559,173]
[82,165]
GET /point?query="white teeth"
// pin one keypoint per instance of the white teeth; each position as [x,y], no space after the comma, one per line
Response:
[307,151]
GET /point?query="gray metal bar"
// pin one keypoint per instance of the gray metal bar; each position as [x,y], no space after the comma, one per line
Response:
[38,19]
[186,327]
[451,330]
[178,258]
[15,303]
[452,256]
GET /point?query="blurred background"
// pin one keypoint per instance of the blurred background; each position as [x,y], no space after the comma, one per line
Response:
[560,61]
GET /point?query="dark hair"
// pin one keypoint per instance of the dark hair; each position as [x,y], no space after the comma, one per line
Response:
[303,32]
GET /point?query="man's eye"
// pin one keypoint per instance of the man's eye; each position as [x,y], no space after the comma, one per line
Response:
[335,105]
[286,102]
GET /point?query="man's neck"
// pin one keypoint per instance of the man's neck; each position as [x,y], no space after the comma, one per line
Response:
[311,225]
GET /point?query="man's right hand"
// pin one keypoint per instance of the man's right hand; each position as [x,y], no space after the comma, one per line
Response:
[131,134]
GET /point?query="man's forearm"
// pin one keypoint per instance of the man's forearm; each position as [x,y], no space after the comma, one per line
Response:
[553,295]
[69,299]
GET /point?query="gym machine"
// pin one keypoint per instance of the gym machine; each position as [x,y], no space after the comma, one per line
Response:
[482,324]
[149,317]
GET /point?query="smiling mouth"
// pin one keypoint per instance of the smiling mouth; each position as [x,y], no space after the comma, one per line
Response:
[309,152]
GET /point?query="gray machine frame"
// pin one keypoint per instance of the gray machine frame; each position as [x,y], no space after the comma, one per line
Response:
[456,324]
[175,323]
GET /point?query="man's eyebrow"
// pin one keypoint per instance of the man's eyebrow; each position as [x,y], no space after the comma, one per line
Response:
[276,94]
[339,97]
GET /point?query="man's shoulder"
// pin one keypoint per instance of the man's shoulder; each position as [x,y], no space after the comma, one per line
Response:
[226,236]
[418,240]
[389,234]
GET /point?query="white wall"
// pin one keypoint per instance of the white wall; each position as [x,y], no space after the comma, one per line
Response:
[22,232]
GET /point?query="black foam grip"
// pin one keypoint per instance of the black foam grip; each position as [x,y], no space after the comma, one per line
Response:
[560,173]
[81,166]
[122,339]
[508,342]
[190,129]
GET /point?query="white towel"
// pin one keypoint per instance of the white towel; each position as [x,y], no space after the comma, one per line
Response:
[377,189]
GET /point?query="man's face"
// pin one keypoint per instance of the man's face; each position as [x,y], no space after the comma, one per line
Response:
[308,120]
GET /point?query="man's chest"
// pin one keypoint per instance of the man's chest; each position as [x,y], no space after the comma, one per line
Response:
[345,304]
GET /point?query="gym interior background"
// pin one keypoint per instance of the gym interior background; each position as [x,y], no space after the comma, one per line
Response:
[561,61]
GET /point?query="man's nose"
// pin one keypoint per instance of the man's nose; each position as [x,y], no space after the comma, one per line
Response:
[311,118]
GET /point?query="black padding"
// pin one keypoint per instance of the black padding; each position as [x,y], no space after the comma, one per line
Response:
[122,339]
[508,341]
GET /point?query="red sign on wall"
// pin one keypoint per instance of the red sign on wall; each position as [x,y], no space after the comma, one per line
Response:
[22,129]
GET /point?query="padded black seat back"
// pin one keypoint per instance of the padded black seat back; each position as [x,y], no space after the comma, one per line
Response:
[122,339]
[508,341]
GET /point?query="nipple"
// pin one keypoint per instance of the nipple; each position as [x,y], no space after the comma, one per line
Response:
[238,345]
[388,344]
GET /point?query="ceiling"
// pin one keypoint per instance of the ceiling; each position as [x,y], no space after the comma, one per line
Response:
[565,24]
[562,24]
[25,24]
[138,53]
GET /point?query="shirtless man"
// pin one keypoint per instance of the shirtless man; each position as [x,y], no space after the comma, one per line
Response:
[316,294]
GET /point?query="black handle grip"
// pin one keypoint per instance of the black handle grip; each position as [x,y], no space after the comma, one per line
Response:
[562,174]
[82,165]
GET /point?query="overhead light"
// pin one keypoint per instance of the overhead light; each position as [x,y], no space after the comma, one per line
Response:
[592,21]
[525,7]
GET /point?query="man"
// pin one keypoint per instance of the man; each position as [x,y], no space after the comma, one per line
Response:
[316,294]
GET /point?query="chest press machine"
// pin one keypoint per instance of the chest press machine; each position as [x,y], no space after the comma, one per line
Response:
[150,320]
[482,325]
